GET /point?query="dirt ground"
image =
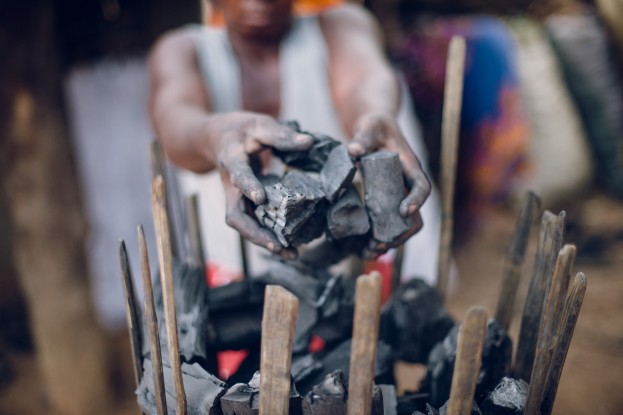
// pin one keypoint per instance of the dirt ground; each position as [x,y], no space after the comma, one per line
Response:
[593,375]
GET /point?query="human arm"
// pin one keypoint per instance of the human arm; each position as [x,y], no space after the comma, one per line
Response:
[198,140]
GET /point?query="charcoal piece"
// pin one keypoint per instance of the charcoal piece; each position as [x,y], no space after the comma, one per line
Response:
[348,216]
[244,399]
[337,173]
[338,358]
[305,322]
[332,251]
[305,286]
[237,329]
[409,403]
[237,294]
[414,320]
[203,390]
[390,401]
[508,398]
[327,397]
[377,401]
[304,366]
[311,159]
[496,358]
[384,190]
[289,205]
[429,410]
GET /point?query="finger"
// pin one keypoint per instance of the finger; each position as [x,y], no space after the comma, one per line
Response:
[235,162]
[418,182]
[376,248]
[270,133]
[251,230]
[364,142]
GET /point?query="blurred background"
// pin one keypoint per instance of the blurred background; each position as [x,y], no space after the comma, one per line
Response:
[542,111]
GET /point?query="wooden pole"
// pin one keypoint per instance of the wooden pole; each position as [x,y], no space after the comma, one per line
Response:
[163,242]
[453,96]
[565,333]
[278,323]
[548,329]
[514,260]
[468,360]
[152,326]
[132,313]
[550,241]
[158,168]
[364,344]
[194,230]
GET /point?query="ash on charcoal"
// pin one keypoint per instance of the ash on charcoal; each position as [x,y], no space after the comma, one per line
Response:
[508,398]
[244,399]
[348,216]
[291,203]
[202,389]
[496,358]
[337,172]
[414,320]
[384,190]
[327,397]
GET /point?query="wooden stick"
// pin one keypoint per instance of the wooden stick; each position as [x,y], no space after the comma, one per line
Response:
[550,241]
[244,258]
[514,260]
[158,168]
[449,146]
[565,333]
[468,360]
[548,329]
[163,242]
[281,310]
[152,325]
[132,313]
[194,230]
[364,344]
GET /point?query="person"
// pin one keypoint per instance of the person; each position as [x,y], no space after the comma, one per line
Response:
[217,96]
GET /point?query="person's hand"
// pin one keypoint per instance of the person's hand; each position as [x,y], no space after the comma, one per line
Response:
[375,132]
[243,135]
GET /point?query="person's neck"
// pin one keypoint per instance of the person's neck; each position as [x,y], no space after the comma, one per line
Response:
[256,49]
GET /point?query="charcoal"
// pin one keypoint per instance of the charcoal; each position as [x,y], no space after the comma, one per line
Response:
[414,320]
[384,191]
[244,399]
[312,159]
[203,390]
[348,216]
[290,204]
[390,402]
[409,403]
[332,251]
[508,398]
[327,397]
[377,401]
[429,410]
[335,322]
[238,329]
[338,358]
[304,366]
[235,295]
[496,359]
[337,173]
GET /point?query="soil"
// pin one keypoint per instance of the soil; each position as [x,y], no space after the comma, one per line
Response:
[593,375]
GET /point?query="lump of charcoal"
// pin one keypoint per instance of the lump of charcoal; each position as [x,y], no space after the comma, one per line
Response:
[202,389]
[414,321]
[348,216]
[327,397]
[384,190]
[244,399]
[411,402]
[496,359]
[508,398]
[290,203]
[428,411]
[337,173]
[311,159]
[304,366]
[338,358]
[390,400]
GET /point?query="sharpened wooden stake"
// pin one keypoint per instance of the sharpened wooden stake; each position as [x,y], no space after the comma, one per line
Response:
[281,309]
[453,96]
[514,260]
[565,333]
[163,242]
[364,344]
[152,326]
[468,360]
[194,230]
[550,241]
[132,313]
[548,329]
[158,168]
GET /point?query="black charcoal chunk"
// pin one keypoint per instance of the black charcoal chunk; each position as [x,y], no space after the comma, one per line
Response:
[414,320]
[203,390]
[496,358]
[348,216]
[390,400]
[327,397]
[337,173]
[377,401]
[429,410]
[312,159]
[304,366]
[411,402]
[384,190]
[508,398]
[332,251]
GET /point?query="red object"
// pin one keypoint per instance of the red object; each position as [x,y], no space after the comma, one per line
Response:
[385,266]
